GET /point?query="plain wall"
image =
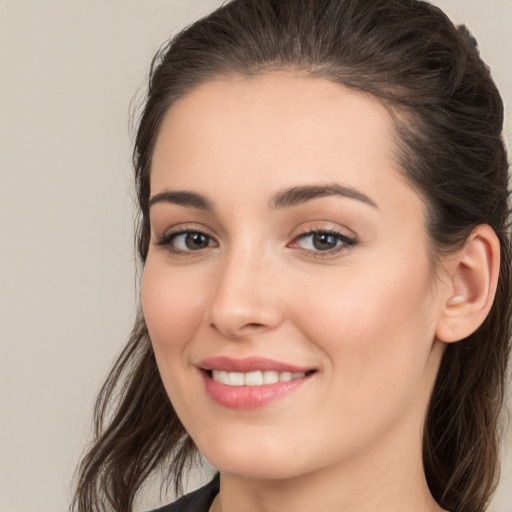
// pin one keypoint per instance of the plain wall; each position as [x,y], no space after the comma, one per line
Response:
[68,72]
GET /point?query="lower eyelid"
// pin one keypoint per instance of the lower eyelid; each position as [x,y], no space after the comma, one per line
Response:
[344,244]
[166,241]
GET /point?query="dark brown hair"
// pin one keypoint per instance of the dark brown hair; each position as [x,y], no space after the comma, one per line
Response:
[448,116]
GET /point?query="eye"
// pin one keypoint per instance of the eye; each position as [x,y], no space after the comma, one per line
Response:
[186,241]
[330,241]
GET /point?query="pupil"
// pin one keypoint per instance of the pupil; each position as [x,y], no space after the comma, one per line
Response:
[324,241]
[196,241]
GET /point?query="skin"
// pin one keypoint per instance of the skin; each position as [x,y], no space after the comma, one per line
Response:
[364,315]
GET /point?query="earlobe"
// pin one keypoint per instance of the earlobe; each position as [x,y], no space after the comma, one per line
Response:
[472,280]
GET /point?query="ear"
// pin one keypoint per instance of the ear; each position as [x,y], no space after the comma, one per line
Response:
[471,286]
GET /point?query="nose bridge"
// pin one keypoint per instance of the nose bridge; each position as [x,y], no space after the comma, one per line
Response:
[243,299]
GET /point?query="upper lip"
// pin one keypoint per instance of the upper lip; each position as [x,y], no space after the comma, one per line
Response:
[249,364]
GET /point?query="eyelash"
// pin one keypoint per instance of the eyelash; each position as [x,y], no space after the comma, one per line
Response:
[343,242]
[167,239]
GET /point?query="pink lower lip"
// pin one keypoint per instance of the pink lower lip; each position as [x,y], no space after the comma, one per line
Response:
[249,397]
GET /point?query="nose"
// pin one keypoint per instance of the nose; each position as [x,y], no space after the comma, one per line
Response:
[244,301]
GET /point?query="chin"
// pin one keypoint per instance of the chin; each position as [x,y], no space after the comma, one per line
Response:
[250,460]
[249,469]
[279,459]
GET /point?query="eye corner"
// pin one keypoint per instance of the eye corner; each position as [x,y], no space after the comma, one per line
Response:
[186,241]
[323,242]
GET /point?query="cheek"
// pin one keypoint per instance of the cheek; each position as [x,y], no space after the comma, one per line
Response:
[373,319]
[376,332]
[172,305]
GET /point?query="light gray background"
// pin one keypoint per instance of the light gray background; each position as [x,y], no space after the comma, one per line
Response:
[68,71]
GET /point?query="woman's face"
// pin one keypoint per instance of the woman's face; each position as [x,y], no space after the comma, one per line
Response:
[286,245]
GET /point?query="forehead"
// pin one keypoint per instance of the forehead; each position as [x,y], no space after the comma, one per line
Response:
[274,131]
[294,103]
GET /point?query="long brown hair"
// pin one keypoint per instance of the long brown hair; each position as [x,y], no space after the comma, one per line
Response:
[448,118]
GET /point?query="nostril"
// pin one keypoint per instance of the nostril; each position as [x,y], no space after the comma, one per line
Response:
[235,319]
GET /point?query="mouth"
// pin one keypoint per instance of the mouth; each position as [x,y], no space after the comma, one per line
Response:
[255,378]
[253,382]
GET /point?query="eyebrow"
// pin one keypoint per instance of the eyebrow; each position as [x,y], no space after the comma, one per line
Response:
[299,195]
[182,198]
[283,199]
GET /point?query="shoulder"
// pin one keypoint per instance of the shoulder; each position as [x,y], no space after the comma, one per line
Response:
[196,501]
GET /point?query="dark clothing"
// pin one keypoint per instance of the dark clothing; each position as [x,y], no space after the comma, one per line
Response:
[197,501]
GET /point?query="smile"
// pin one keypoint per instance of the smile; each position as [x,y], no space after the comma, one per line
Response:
[253,382]
[255,378]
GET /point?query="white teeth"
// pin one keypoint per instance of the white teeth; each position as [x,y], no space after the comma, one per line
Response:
[270,377]
[256,378]
[222,377]
[253,379]
[236,379]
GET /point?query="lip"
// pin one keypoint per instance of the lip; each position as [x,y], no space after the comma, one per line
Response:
[249,364]
[250,397]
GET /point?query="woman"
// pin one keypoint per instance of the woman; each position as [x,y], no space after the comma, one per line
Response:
[325,302]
